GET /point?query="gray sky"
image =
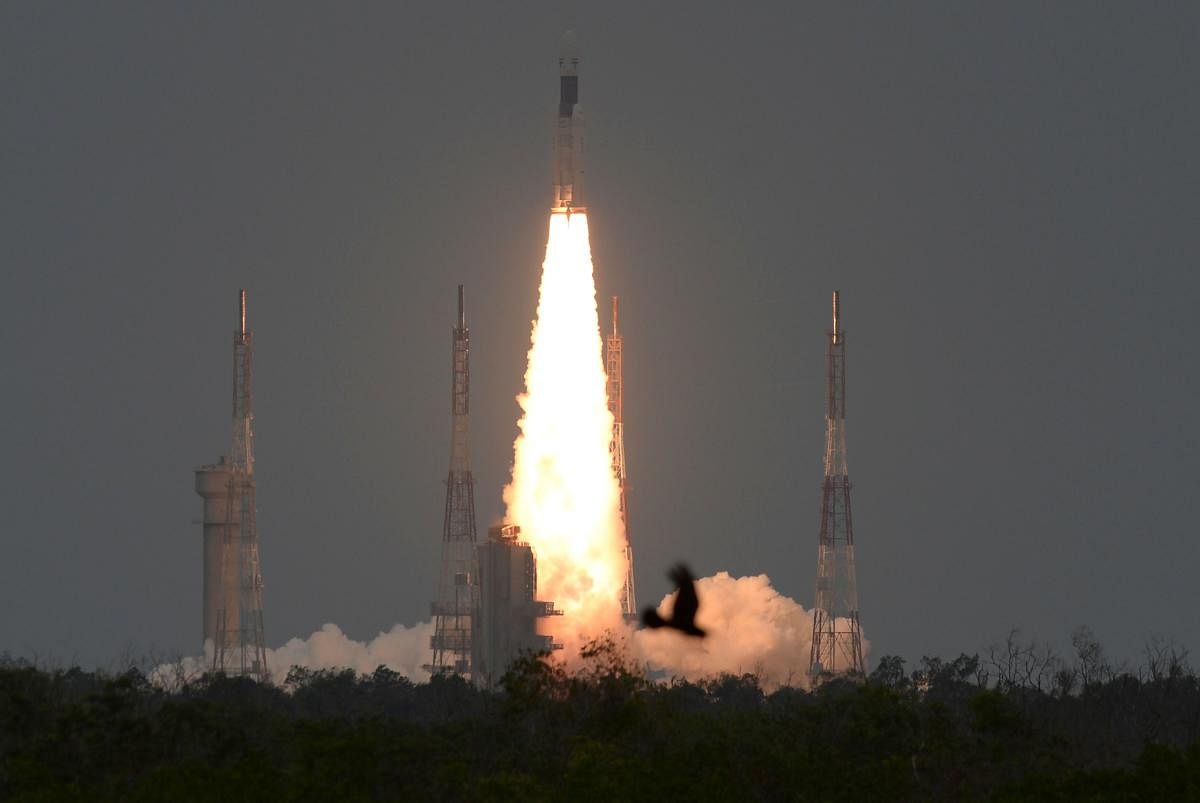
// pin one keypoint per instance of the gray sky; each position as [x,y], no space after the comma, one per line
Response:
[1006,195]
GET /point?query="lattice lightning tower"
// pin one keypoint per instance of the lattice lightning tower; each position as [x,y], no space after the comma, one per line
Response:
[614,365]
[239,647]
[458,590]
[836,637]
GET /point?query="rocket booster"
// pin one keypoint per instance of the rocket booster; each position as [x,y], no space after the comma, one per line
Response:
[568,133]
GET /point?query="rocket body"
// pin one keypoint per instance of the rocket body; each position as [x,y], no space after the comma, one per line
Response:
[568,133]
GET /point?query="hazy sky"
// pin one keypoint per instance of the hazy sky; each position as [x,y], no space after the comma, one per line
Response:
[1007,195]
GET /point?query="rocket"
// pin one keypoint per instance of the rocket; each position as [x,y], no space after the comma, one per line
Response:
[568,133]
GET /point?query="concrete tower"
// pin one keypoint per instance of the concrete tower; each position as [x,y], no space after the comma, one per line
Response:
[836,636]
[506,624]
[614,365]
[458,585]
[233,617]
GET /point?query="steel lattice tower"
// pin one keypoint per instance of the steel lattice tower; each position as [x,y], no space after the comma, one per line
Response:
[614,365]
[836,636]
[458,591]
[233,582]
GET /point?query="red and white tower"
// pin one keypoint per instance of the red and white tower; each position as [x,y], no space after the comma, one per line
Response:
[836,636]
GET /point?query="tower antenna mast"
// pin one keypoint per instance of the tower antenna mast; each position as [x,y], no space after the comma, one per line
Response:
[458,589]
[836,636]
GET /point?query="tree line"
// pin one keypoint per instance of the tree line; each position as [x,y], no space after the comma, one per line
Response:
[1015,723]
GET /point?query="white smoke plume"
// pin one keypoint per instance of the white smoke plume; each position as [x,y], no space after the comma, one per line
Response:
[752,628]
[402,649]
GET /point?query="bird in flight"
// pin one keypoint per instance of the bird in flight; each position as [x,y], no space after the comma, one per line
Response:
[683,616]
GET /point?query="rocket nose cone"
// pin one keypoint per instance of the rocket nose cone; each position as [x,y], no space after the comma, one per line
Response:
[568,49]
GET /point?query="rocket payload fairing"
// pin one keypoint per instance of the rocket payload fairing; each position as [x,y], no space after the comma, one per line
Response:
[568,132]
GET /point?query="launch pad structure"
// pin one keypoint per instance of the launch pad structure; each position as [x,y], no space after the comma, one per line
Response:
[232,604]
[836,634]
[486,611]
[458,585]
[506,626]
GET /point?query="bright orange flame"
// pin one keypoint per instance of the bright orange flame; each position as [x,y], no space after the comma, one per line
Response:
[563,493]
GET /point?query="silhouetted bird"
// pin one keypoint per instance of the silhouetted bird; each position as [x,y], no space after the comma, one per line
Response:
[683,616]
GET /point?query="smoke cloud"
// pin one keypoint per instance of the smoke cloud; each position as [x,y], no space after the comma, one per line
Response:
[752,628]
[402,649]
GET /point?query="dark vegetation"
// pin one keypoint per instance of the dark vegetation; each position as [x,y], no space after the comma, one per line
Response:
[1016,724]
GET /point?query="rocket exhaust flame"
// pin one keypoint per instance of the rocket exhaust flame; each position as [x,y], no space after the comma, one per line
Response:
[563,493]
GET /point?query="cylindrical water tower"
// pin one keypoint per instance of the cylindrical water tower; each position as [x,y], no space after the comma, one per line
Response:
[222,525]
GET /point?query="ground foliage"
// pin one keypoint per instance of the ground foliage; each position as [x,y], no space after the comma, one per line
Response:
[1017,724]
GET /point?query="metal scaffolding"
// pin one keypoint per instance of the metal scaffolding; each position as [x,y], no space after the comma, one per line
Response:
[458,586]
[836,636]
[614,365]
[233,615]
